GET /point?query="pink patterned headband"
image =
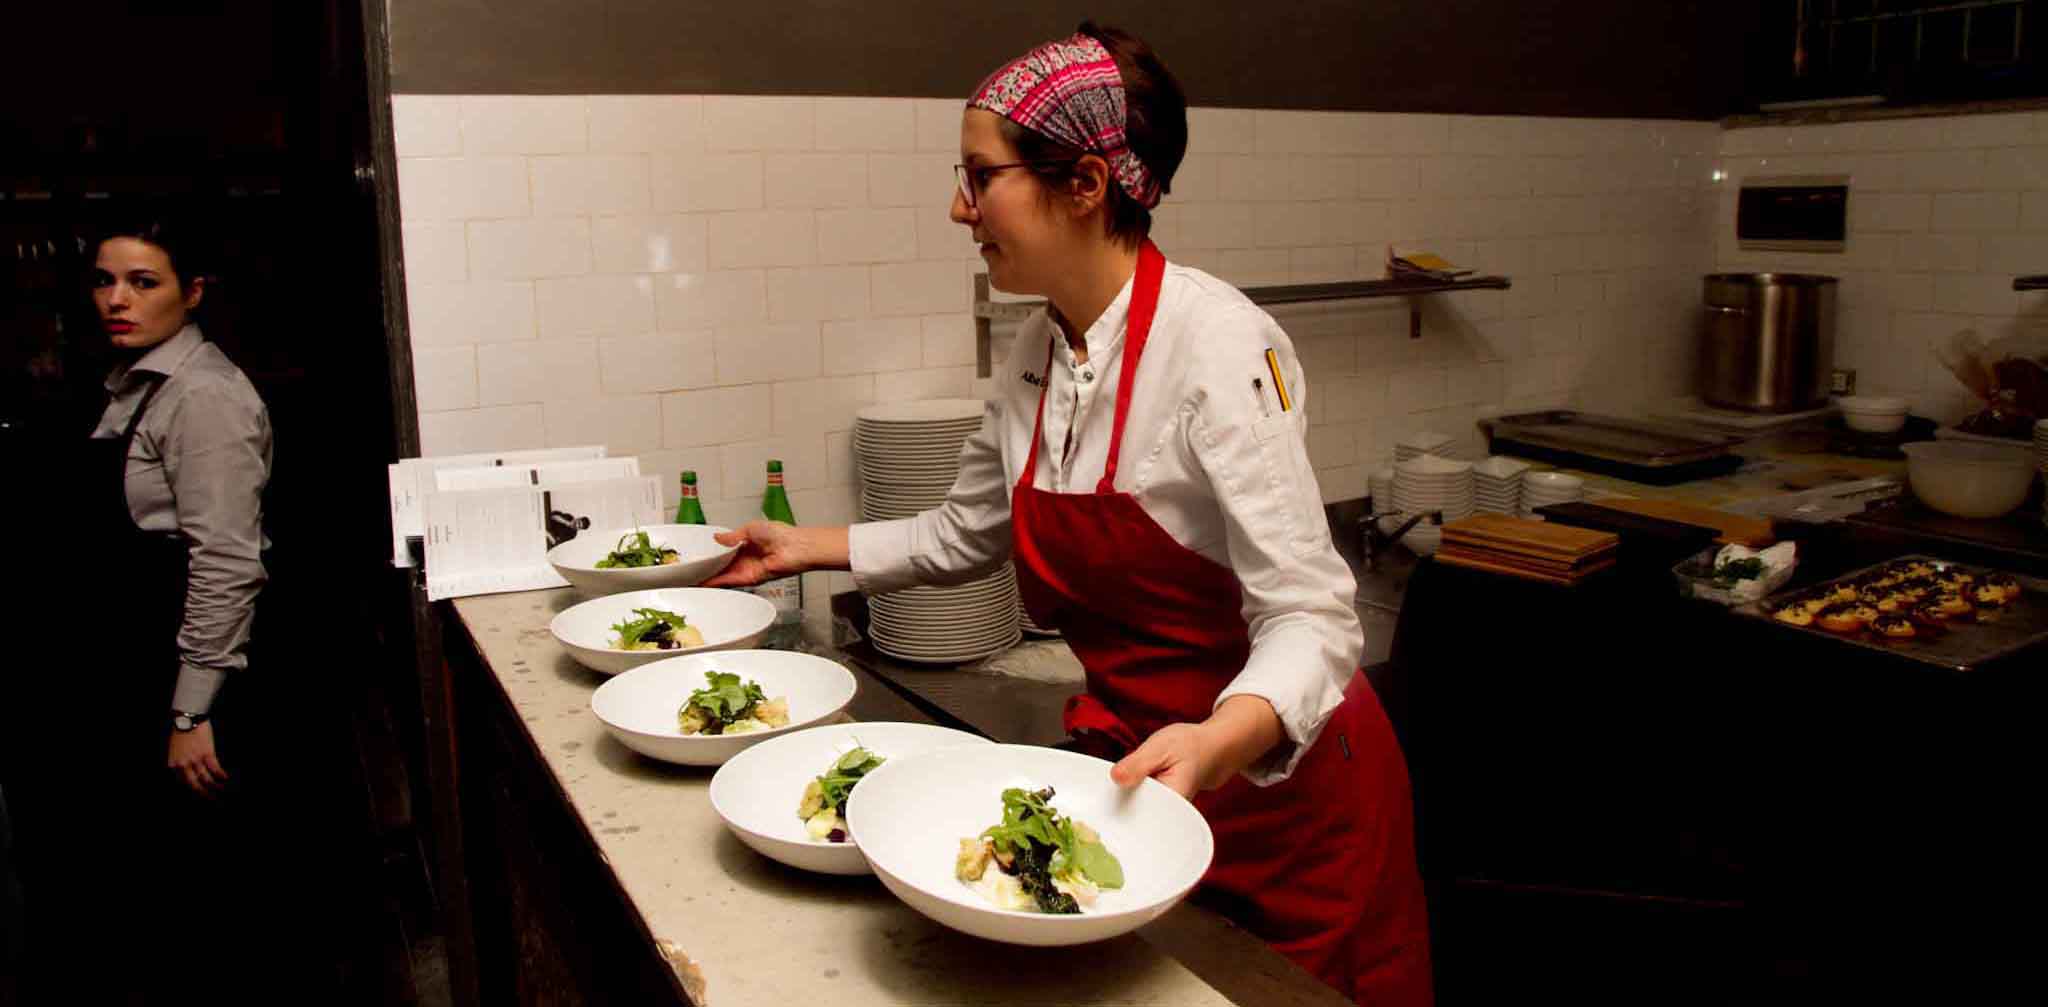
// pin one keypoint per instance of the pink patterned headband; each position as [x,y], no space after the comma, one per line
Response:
[1069,90]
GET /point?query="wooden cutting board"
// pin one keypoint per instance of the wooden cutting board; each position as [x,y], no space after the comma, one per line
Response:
[1522,550]
[1536,537]
[1734,529]
[1519,562]
[1457,558]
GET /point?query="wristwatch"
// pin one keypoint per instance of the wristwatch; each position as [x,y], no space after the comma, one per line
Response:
[184,722]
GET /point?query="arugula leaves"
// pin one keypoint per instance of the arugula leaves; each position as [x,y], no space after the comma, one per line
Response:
[725,700]
[1028,819]
[634,549]
[838,781]
[652,624]
[1740,569]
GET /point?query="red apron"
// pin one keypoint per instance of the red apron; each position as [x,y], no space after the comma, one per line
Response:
[1320,865]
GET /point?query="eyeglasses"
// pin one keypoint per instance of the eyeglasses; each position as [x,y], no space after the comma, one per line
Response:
[973,179]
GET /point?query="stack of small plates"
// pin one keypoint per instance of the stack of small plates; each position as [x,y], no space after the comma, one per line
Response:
[1428,483]
[1541,489]
[1425,443]
[908,455]
[1497,485]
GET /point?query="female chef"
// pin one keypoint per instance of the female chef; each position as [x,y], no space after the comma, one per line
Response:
[1143,463]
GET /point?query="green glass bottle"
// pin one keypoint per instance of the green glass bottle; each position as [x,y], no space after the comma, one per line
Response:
[787,593]
[688,509]
[775,500]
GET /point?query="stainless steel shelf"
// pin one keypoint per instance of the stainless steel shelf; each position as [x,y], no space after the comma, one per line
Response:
[988,312]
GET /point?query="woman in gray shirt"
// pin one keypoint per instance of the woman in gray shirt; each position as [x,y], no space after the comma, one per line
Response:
[141,830]
[194,449]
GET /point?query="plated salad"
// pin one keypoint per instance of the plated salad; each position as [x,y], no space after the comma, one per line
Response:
[823,807]
[636,550]
[1043,861]
[655,629]
[724,706]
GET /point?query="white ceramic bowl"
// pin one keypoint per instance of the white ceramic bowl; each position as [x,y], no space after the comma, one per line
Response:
[729,620]
[1878,414]
[1968,479]
[639,707]
[757,791]
[912,813]
[700,557]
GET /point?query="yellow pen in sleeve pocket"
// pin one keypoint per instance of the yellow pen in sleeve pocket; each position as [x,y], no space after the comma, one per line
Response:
[1279,383]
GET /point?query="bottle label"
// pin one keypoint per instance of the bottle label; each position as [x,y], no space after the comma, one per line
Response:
[689,491]
[786,595]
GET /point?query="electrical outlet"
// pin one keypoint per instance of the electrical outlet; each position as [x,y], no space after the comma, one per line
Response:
[1843,382]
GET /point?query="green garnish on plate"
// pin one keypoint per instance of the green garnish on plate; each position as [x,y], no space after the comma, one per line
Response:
[635,550]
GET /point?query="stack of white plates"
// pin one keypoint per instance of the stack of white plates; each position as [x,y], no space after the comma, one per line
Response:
[1427,442]
[1541,489]
[1428,483]
[947,625]
[1497,485]
[1380,483]
[908,455]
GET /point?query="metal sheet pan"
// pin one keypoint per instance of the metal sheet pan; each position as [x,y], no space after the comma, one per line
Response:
[2021,623]
[1617,439]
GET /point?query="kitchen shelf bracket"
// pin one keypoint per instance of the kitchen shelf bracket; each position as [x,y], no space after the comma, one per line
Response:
[2030,282]
[988,312]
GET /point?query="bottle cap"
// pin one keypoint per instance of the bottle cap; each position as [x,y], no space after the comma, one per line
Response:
[690,476]
[774,464]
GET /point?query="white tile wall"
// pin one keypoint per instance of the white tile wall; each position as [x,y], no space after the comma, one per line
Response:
[1944,212]
[692,182]
[709,281]
[631,243]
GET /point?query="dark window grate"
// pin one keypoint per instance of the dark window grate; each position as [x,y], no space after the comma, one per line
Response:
[1905,50]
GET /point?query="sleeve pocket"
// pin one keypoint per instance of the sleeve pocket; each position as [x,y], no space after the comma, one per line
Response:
[1282,446]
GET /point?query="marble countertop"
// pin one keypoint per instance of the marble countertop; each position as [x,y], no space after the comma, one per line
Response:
[740,929]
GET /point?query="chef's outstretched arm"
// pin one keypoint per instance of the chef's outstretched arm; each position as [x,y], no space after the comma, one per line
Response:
[966,537]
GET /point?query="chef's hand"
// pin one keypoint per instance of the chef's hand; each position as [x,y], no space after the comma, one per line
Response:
[771,549]
[193,759]
[1191,758]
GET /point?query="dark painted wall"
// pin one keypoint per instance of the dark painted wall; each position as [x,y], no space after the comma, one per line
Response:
[1678,58]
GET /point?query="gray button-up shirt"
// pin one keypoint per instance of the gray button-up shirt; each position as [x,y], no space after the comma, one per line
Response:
[197,468]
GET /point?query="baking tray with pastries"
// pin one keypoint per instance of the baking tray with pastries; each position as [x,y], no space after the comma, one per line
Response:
[1946,613]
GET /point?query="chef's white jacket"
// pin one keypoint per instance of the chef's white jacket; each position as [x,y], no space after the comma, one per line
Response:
[1209,456]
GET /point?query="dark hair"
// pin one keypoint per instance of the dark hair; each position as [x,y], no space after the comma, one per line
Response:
[169,229]
[1155,126]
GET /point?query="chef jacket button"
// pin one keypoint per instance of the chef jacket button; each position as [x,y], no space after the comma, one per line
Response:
[1087,376]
